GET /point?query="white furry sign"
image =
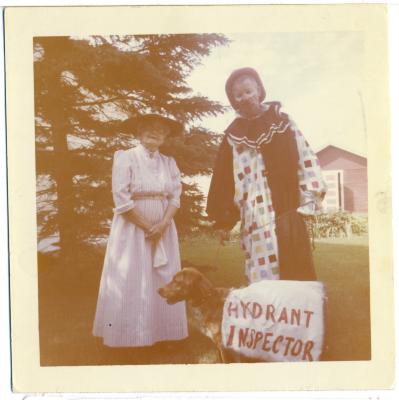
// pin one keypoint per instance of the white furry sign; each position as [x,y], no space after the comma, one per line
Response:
[276,320]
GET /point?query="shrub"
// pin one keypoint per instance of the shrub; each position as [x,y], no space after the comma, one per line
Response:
[337,224]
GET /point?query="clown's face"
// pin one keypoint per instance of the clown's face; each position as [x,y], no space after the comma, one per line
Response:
[246,93]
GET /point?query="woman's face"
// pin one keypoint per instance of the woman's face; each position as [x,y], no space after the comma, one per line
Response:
[246,94]
[153,134]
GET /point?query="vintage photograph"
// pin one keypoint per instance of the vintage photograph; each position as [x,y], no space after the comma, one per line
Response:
[201,198]
[200,194]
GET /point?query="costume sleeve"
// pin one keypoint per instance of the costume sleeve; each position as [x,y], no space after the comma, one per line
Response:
[174,196]
[220,203]
[311,182]
[121,178]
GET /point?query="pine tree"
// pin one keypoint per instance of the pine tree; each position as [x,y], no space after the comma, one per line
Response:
[83,88]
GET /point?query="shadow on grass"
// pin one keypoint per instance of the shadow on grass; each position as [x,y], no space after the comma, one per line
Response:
[68,295]
[67,301]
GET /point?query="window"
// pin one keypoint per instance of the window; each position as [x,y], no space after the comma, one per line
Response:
[334,199]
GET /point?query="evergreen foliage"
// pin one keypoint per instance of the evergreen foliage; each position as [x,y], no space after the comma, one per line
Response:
[84,87]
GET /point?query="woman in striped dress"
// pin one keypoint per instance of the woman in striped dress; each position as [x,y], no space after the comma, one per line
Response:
[143,251]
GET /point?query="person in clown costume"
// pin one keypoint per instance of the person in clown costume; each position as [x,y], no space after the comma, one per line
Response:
[266,176]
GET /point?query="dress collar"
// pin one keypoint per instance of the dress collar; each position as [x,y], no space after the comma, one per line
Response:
[147,153]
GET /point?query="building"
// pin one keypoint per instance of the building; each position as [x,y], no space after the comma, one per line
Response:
[346,175]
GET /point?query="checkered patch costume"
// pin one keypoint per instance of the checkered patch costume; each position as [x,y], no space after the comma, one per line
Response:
[253,198]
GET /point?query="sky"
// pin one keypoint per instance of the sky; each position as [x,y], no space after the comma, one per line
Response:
[317,76]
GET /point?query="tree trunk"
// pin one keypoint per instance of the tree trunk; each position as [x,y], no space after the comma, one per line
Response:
[58,118]
[63,178]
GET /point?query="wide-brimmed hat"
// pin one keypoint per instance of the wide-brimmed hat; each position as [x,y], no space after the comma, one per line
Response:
[238,73]
[131,124]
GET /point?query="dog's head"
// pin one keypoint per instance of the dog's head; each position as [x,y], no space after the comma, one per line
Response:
[188,284]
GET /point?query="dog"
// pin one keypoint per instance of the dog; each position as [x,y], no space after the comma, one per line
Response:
[206,302]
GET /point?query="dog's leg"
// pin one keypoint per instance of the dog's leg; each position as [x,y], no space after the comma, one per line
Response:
[222,354]
[229,356]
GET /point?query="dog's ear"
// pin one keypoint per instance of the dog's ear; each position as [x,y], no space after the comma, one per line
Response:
[202,288]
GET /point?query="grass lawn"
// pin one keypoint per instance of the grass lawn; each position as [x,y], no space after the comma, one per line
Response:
[68,294]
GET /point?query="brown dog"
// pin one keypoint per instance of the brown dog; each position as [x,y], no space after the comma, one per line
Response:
[206,301]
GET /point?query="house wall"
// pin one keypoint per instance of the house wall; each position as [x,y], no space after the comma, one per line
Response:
[355,176]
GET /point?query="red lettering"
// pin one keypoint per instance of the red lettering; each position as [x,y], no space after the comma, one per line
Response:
[231,309]
[306,352]
[256,307]
[258,338]
[283,316]
[278,340]
[289,341]
[270,312]
[245,308]
[251,340]
[297,348]
[242,336]
[295,314]
[308,315]
[266,341]
[229,341]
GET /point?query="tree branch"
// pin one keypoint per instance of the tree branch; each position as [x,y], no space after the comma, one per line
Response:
[110,100]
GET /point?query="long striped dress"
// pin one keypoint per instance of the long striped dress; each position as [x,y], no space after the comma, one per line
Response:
[130,312]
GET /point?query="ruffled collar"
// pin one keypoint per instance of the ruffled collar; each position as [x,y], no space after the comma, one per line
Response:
[259,130]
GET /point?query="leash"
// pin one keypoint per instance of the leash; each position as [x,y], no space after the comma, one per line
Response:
[216,258]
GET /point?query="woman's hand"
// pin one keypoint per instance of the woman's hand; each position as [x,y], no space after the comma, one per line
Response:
[136,218]
[156,231]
